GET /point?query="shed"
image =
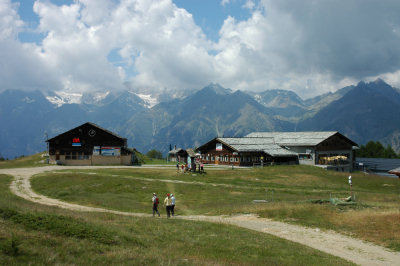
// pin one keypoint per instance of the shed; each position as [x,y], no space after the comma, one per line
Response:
[178,155]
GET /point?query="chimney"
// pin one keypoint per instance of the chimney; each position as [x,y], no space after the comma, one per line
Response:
[174,147]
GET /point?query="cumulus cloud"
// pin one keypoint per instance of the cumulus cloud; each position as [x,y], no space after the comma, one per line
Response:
[311,46]
[21,66]
[307,46]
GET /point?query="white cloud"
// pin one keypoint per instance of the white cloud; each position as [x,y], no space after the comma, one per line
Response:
[310,46]
[307,46]
[225,2]
[249,4]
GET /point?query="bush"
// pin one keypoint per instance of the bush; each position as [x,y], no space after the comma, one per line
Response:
[10,247]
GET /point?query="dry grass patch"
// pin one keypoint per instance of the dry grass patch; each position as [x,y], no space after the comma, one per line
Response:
[380,227]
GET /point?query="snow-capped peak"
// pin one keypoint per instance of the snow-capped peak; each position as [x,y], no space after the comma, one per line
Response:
[148,99]
[61,97]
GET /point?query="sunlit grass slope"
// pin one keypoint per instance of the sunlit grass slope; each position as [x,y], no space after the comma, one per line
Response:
[34,234]
[289,191]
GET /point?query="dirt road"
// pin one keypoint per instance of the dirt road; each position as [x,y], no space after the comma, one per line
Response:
[348,248]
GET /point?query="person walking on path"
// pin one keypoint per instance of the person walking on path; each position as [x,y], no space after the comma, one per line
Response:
[155,204]
[177,167]
[167,204]
[173,204]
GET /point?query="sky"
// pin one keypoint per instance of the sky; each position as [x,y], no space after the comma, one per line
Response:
[310,47]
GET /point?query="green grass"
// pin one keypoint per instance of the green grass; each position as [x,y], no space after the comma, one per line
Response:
[288,189]
[35,234]
[25,161]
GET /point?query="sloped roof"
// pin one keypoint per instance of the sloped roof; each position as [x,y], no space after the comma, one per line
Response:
[175,151]
[91,124]
[191,153]
[311,138]
[256,144]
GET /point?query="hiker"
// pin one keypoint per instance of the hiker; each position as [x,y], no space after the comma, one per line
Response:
[155,204]
[177,167]
[167,204]
[173,204]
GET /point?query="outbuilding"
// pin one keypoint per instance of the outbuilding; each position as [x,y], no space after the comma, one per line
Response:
[89,144]
[178,155]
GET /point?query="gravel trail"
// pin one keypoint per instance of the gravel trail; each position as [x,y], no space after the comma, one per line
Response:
[351,249]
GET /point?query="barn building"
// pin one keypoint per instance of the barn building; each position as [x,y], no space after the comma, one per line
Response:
[328,149]
[89,144]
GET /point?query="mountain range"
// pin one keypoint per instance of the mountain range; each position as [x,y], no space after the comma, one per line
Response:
[158,119]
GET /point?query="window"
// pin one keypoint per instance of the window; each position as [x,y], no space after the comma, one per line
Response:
[304,156]
[67,156]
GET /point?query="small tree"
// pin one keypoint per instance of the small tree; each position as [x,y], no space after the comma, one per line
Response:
[154,154]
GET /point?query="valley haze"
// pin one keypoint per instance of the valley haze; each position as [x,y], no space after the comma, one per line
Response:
[137,67]
[158,119]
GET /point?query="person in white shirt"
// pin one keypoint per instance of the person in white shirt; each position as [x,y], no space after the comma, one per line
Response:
[155,204]
[173,204]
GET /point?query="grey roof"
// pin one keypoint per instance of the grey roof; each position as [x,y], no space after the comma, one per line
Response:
[191,153]
[174,151]
[257,144]
[311,138]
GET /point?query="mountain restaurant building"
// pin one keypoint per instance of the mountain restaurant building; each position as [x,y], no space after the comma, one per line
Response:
[328,149]
[245,152]
[89,144]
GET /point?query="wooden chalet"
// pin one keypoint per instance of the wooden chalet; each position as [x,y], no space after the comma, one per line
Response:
[89,144]
[244,152]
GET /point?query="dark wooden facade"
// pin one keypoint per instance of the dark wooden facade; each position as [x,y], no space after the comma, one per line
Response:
[89,144]
[225,154]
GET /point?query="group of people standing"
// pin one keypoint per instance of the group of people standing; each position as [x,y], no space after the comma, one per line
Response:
[169,203]
[187,167]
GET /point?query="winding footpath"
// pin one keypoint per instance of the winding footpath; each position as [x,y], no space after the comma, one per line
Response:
[354,250]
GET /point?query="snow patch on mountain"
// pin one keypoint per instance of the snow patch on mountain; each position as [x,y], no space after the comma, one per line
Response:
[148,99]
[61,97]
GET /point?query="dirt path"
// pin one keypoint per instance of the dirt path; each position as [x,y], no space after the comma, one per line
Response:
[351,249]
